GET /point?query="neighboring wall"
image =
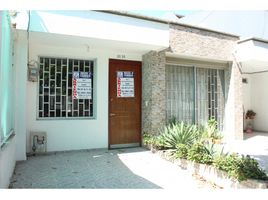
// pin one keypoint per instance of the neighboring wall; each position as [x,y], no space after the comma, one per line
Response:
[204,44]
[7,144]
[259,103]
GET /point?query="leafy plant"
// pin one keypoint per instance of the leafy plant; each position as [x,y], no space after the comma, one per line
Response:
[210,131]
[250,114]
[240,167]
[146,138]
[182,151]
[200,154]
[179,133]
[172,121]
[154,140]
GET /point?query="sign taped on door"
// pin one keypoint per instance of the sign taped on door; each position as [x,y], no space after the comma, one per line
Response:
[125,84]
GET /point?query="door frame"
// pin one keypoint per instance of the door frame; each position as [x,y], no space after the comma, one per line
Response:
[140,126]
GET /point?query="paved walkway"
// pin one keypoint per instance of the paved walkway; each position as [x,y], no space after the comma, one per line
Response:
[126,168]
[255,145]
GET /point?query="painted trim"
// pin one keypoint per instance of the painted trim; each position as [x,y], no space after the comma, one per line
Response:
[253,39]
[117,146]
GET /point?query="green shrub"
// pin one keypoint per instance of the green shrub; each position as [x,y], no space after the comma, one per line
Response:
[200,154]
[172,121]
[182,151]
[146,138]
[210,131]
[240,167]
[153,140]
[179,133]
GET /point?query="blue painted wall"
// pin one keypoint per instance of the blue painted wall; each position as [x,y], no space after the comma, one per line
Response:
[6,78]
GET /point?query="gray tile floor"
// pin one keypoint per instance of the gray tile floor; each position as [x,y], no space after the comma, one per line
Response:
[126,168]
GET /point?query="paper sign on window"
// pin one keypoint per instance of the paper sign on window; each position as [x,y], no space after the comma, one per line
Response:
[125,84]
[82,86]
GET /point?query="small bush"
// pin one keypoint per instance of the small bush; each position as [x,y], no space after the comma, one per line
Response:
[154,140]
[200,154]
[172,121]
[146,138]
[210,131]
[240,167]
[179,133]
[182,151]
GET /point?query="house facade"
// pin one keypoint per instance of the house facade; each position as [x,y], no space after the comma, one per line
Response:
[89,79]
[250,53]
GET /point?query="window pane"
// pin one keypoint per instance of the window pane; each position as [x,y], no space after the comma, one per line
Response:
[194,93]
[58,79]
[41,87]
[52,102]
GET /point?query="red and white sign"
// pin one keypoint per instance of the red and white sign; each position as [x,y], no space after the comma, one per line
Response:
[82,85]
[125,84]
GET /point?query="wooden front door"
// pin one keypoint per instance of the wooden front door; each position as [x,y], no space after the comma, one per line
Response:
[124,103]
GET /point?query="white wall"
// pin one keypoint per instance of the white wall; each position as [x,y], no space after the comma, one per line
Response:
[7,152]
[246,87]
[20,63]
[259,100]
[7,162]
[74,134]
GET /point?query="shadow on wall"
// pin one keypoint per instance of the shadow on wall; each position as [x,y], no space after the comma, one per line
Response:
[78,169]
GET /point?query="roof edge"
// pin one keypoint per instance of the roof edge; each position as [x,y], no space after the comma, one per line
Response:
[155,19]
[254,39]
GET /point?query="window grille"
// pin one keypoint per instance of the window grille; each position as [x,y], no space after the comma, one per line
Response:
[56,88]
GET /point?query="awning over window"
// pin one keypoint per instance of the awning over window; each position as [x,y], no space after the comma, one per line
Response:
[253,55]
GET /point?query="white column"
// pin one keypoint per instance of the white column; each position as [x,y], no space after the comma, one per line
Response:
[20,94]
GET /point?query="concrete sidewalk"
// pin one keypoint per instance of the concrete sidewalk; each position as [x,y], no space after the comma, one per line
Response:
[124,168]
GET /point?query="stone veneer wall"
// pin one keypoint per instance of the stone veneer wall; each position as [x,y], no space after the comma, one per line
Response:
[202,43]
[233,121]
[208,44]
[153,92]
[195,43]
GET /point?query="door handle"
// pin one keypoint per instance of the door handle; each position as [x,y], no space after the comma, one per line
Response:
[112,114]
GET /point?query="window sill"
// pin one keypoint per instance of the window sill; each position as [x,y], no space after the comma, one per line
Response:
[67,118]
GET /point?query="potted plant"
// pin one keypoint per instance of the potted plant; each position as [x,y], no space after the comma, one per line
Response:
[250,116]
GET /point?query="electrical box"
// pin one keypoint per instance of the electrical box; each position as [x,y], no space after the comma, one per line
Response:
[38,142]
[33,74]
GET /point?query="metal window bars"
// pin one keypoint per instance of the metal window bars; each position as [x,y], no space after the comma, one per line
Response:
[55,88]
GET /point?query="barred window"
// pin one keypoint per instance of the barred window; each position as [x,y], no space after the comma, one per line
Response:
[194,94]
[65,88]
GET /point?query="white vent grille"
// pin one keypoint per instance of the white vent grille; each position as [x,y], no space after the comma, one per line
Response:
[38,142]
